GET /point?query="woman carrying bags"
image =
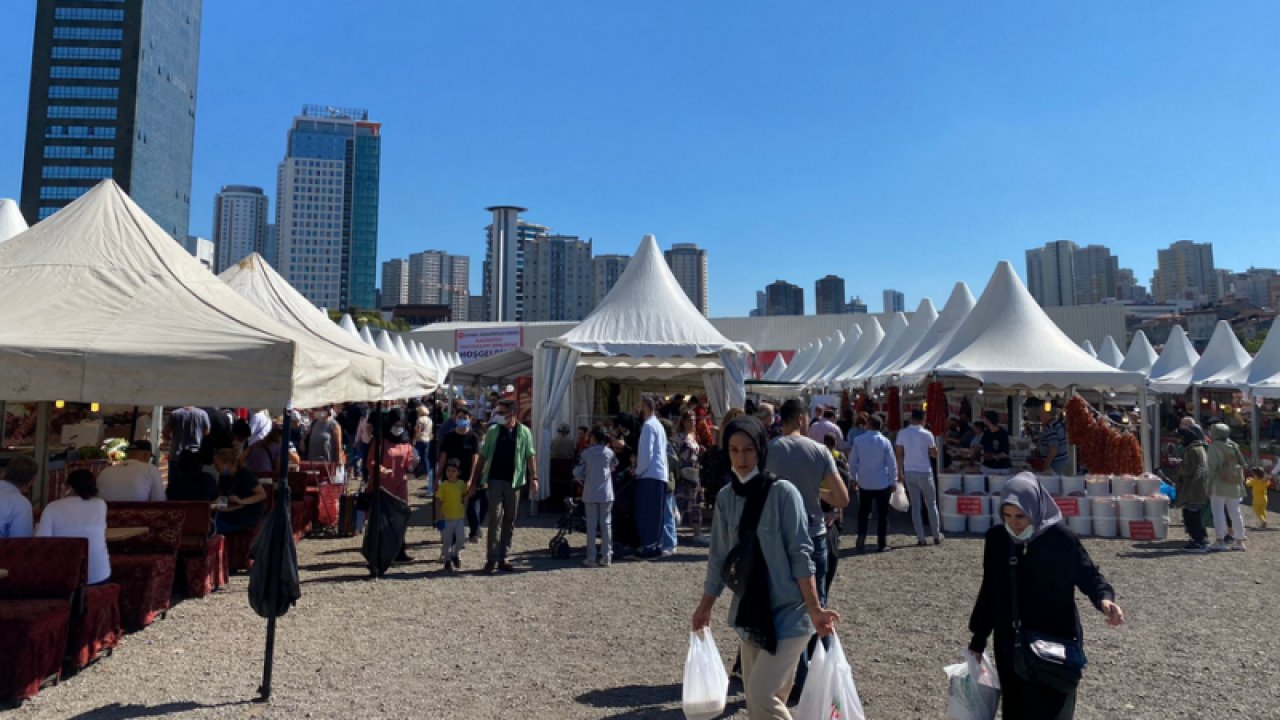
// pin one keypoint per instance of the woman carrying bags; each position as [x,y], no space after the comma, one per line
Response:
[760,548]
[1031,567]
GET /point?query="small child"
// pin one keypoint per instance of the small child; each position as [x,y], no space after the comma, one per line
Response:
[1259,483]
[453,514]
[595,474]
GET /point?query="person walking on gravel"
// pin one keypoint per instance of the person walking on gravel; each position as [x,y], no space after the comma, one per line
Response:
[1192,481]
[508,465]
[916,449]
[1226,488]
[875,470]
[760,547]
[651,479]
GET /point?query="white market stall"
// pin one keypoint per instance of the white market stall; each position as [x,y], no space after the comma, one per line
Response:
[11,220]
[646,328]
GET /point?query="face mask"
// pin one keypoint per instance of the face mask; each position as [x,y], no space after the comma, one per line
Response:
[1024,536]
[464,424]
[500,419]
[747,477]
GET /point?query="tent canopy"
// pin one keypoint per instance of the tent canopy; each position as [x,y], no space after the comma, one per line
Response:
[936,339]
[11,220]
[103,306]
[1110,352]
[261,285]
[1141,355]
[495,369]
[921,322]
[775,368]
[1264,372]
[1007,340]
[861,351]
[897,326]
[1225,362]
[843,357]
[1171,372]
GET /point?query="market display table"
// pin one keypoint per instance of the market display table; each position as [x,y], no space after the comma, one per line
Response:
[118,534]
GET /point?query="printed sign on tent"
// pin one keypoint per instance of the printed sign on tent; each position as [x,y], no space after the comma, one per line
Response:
[474,345]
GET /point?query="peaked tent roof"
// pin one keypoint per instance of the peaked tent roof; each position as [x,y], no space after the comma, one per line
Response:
[261,285]
[503,367]
[799,361]
[367,337]
[935,341]
[103,306]
[1264,372]
[898,325]
[647,314]
[11,220]
[835,343]
[775,368]
[1008,340]
[1110,352]
[349,325]
[844,356]
[1088,347]
[1225,362]
[1171,372]
[862,350]
[923,319]
[1141,355]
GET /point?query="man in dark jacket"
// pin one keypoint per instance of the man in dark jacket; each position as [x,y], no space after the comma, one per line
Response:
[1192,481]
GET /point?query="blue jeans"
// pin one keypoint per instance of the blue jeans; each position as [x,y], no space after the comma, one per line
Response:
[668,521]
[423,463]
[649,504]
[477,509]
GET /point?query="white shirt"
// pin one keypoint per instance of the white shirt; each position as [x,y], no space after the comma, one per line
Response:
[651,451]
[916,442]
[15,512]
[131,481]
[259,426]
[77,517]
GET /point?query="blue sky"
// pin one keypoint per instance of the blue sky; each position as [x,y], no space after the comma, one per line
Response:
[897,144]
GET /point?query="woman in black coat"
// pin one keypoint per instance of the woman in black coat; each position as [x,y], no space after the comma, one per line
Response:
[1051,564]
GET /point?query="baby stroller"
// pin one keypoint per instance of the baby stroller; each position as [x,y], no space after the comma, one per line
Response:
[573,520]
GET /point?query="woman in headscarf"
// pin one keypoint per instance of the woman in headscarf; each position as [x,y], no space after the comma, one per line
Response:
[1192,481]
[760,545]
[1050,564]
[397,458]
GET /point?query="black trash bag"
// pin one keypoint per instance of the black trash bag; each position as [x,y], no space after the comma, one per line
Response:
[273,579]
[384,534]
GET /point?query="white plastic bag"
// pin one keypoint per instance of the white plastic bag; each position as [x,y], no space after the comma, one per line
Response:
[706,684]
[829,691]
[898,500]
[975,689]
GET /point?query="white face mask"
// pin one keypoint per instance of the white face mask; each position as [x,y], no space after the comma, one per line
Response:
[746,478]
[1024,536]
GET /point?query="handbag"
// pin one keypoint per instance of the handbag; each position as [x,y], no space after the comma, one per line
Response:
[1039,658]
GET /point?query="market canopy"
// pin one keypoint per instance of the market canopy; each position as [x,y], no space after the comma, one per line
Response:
[775,368]
[11,220]
[843,357]
[921,321]
[1264,371]
[897,326]
[1141,355]
[1110,352]
[498,369]
[1088,347]
[1009,341]
[935,341]
[101,305]
[801,360]
[1171,372]
[867,343]
[830,352]
[1224,364]
[255,280]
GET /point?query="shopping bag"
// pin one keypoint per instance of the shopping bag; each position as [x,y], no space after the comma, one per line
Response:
[898,500]
[829,691]
[706,684]
[975,689]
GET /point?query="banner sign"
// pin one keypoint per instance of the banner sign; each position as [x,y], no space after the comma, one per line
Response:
[1069,506]
[970,505]
[475,344]
[1141,529]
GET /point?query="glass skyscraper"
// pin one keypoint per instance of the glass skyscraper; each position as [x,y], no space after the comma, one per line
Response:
[327,207]
[113,95]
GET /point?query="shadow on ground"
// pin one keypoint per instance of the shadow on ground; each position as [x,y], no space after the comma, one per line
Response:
[116,711]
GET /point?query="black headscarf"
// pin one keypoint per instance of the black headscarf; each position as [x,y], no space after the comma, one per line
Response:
[754,430]
[755,604]
[1190,434]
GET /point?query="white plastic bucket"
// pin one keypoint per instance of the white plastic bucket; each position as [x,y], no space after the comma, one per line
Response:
[950,481]
[1052,484]
[979,523]
[1102,507]
[1130,507]
[1097,485]
[1072,484]
[954,523]
[1105,526]
[1155,507]
[947,503]
[1148,485]
[1161,526]
[996,483]
[1080,525]
[975,484]
[1124,485]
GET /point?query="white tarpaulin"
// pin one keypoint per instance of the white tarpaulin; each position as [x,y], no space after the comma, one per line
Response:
[389,377]
[843,358]
[935,341]
[921,322]
[498,369]
[775,368]
[1141,355]
[1110,352]
[834,343]
[11,220]
[1171,372]
[1087,346]
[897,327]
[1008,341]
[101,305]
[867,343]
[1224,364]
[1264,371]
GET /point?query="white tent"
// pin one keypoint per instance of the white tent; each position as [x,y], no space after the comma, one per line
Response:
[1141,355]
[367,337]
[834,343]
[401,350]
[800,365]
[862,350]
[843,358]
[775,368]
[935,341]
[897,327]
[1171,372]
[1224,364]
[101,305]
[498,369]
[1008,341]
[1110,352]
[1264,372]
[349,325]
[646,328]
[1088,347]
[11,220]
[261,285]
[921,321]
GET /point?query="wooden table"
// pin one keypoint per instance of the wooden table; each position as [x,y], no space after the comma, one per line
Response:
[116,534]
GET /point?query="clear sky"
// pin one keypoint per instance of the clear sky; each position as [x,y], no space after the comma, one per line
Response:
[897,144]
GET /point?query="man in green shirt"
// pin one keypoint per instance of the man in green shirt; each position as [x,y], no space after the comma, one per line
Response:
[508,463]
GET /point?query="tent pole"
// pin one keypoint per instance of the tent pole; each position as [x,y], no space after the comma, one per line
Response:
[1195,403]
[1255,432]
[1155,433]
[133,425]
[157,423]
[1073,467]
[2,427]
[40,494]
[1143,436]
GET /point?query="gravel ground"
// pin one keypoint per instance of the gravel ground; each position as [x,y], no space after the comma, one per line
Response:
[556,640]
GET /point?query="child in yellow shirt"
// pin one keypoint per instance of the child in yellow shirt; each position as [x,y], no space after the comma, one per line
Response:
[452,495]
[1259,482]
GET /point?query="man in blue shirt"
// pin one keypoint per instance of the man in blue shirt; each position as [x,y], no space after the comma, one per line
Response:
[874,468]
[651,479]
[15,508]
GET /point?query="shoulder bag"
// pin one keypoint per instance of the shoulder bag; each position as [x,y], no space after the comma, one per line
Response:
[1042,659]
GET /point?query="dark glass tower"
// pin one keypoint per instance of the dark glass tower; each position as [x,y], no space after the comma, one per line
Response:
[113,95]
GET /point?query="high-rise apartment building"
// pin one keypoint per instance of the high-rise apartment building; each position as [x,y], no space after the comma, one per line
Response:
[239,224]
[828,295]
[1051,276]
[894,301]
[1097,274]
[327,206]
[1185,272]
[113,95]
[271,247]
[558,283]
[503,267]
[395,283]
[688,264]
[438,278]
[477,306]
[856,305]
[605,271]
[783,298]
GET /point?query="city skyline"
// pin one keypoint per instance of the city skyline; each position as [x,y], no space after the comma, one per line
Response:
[1010,147]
